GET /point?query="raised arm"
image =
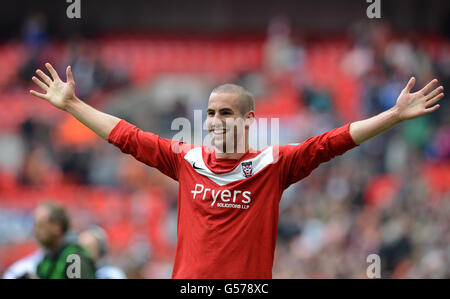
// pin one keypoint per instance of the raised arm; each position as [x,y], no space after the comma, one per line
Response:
[62,95]
[409,105]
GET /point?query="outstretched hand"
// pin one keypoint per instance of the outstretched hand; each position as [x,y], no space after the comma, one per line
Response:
[411,105]
[58,93]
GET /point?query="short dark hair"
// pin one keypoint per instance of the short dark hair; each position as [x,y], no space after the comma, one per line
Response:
[58,214]
[246,99]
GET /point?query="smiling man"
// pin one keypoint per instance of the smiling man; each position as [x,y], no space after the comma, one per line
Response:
[231,110]
[228,198]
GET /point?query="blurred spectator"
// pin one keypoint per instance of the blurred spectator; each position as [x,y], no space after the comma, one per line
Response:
[52,231]
[35,32]
[94,240]
[35,38]
[89,70]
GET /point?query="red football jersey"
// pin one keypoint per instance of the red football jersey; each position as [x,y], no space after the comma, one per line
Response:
[228,208]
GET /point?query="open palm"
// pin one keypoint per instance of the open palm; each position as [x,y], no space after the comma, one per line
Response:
[410,105]
[58,93]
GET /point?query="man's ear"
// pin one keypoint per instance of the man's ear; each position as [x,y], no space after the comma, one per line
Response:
[249,118]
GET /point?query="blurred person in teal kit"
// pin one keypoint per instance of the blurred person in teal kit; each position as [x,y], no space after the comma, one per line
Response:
[52,231]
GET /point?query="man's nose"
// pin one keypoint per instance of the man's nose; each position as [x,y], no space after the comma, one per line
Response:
[218,121]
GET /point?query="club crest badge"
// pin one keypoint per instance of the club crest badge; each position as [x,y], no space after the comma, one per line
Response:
[247,169]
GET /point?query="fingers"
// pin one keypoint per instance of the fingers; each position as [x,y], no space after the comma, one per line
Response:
[428,87]
[52,71]
[410,84]
[432,109]
[434,100]
[44,77]
[39,95]
[434,93]
[40,83]
[69,75]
